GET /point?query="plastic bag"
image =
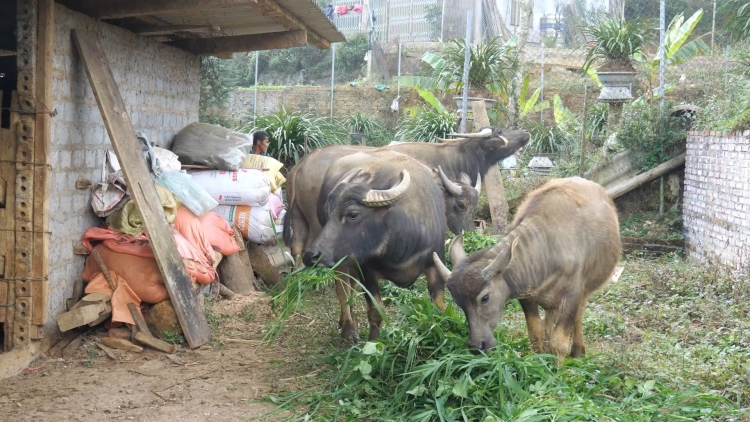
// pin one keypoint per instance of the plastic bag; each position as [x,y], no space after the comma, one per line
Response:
[212,146]
[191,195]
[168,161]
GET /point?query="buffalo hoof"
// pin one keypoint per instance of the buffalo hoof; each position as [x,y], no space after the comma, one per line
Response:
[577,351]
[349,332]
[374,334]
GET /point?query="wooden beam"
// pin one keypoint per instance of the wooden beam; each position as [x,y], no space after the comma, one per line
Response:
[25,131]
[283,17]
[150,31]
[493,180]
[141,186]
[40,246]
[221,45]
[116,9]
[661,169]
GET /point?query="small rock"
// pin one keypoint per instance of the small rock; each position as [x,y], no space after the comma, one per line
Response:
[121,333]
[162,317]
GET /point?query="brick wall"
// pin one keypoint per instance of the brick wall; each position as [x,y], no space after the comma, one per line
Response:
[716,210]
[160,87]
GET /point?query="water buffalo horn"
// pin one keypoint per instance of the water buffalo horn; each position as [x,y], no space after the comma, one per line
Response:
[381,198]
[478,187]
[481,134]
[456,250]
[453,188]
[449,140]
[445,273]
[504,139]
[500,262]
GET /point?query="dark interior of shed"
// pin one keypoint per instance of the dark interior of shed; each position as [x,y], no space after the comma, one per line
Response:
[8,68]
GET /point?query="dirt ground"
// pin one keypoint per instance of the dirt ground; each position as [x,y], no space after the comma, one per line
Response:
[220,381]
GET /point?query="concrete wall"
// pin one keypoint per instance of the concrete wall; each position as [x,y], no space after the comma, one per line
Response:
[160,87]
[716,210]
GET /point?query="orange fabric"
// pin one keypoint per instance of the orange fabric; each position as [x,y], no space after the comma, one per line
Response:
[190,228]
[141,274]
[199,266]
[123,295]
[219,233]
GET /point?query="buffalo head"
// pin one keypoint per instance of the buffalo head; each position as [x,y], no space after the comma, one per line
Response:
[356,226]
[461,200]
[477,285]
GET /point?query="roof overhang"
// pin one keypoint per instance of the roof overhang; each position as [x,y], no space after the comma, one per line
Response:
[218,27]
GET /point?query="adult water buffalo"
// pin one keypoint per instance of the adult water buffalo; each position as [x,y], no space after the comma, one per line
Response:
[563,245]
[473,155]
[385,212]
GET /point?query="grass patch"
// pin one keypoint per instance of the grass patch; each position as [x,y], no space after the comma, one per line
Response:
[668,341]
[645,224]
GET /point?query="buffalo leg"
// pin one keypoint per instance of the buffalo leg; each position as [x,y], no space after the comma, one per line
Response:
[436,287]
[578,349]
[533,323]
[560,339]
[373,314]
[299,232]
[346,323]
[550,318]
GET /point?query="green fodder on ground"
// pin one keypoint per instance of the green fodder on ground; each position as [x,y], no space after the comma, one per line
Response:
[667,341]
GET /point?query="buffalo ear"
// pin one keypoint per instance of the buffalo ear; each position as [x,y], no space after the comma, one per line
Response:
[456,250]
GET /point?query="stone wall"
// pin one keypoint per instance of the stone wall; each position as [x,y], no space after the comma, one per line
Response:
[316,101]
[160,87]
[716,210]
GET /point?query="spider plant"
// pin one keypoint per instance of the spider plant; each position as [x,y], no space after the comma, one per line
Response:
[616,42]
[287,131]
[423,124]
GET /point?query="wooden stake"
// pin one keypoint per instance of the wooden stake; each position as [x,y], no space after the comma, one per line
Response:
[154,343]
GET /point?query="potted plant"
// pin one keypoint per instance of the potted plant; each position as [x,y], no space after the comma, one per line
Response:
[361,126]
[615,44]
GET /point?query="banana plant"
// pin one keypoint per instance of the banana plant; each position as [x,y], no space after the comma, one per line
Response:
[531,104]
[676,51]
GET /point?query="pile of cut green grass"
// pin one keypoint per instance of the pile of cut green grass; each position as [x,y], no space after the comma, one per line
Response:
[421,370]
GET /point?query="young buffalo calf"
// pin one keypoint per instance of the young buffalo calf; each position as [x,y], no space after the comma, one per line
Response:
[563,245]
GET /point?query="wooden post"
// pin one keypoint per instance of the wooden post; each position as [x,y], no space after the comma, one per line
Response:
[493,180]
[583,133]
[40,271]
[25,131]
[141,185]
[8,220]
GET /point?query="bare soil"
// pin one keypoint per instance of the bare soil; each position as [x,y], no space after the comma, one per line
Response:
[220,381]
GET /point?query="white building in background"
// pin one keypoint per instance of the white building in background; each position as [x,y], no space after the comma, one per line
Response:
[549,16]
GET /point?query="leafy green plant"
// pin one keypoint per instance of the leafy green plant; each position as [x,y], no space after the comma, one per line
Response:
[643,130]
[287,131]
[738,25]
[616,42]
[531,104]
[676,48]
[423,124]
[490,64]
[360,122]
[420,370]
[173,338]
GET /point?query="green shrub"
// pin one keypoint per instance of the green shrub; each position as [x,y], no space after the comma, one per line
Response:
[286,132]
[424,124]
[616,41]
[643,131]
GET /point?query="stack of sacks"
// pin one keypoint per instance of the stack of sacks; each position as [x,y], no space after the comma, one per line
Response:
[245,187]
[249,198]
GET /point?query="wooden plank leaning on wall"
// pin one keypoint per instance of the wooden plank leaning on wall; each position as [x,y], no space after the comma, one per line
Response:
[141,185]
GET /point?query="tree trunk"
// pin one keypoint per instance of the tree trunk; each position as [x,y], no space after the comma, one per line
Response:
[262,266]
[236,275]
